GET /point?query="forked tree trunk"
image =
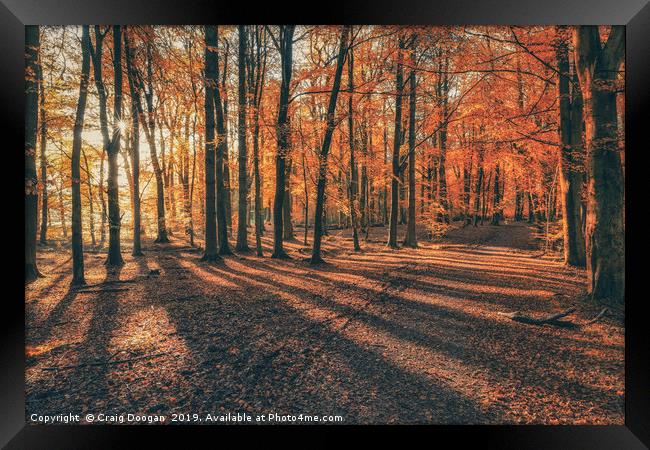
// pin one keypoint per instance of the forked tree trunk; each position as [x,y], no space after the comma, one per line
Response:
[327,140]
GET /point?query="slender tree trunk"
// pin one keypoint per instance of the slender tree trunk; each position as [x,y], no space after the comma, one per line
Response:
[496,198]
[242,222]
[354,174]
[211,250]
[327,140]
[135,146]
[222,199]
[89,186]
[570,155]
[287,233]
[411,238]
[77,228]
[43,144]
[394,187]
[283,134]
[32,49]
[605,231]
[114,257]
[150,133]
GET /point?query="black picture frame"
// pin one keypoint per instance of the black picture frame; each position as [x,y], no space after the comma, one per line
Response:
[635,14]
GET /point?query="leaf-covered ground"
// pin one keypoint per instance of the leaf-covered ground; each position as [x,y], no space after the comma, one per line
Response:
[380,336]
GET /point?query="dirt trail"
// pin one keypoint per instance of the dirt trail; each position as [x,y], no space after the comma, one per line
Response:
[407,336]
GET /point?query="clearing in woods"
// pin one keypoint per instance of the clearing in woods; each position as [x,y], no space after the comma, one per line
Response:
[407,336]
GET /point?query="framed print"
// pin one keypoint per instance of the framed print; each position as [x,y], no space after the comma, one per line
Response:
[370,216]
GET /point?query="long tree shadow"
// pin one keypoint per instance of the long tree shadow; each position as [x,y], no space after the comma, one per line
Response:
[482,352]
[270,355]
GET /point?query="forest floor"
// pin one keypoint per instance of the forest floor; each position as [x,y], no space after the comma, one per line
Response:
[379,336]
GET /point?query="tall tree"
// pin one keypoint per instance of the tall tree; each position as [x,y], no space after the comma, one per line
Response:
[354,172]
[256,85]
[411,238]
[284,44]
[394,183]
[242,221]
[43,145]
[211,251]
[32,49]
[316,257]
[222,188]
[77,228]
[597,67]
[135,144]
[571,154]
[114,257]
[149,127]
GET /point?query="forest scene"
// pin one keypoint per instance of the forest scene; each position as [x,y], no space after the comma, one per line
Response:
[349,224]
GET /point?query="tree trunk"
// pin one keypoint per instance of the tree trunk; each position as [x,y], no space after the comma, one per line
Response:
[77,228]
[135,145]
[354,174]
[411,238]
[91,214]
[43,144]
[394,185]
[114,257]
[605,232]
[571,160]
[327,140]
[283,135]
[242,222]
[32,49]
[222,199]
[211,250]
[496,198]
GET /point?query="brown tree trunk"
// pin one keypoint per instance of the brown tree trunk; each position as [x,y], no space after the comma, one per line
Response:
[135,145]
[571,158]
[32,49]
[242,219]
[211,250]
[43,144]
[327,140]
[394,185]
[77,228]
[605,231]
[114,257]
[283,133]
[411,238]
[354,173]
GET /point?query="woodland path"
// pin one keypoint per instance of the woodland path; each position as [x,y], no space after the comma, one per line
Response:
[407,336]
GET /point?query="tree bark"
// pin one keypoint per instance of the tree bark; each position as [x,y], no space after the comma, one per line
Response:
[327,140]
[571,160]
[394,185]
[283,134]
[43,145]
[211,250]
[605,231]
[32,49]
[242,220]
[114,257]
[77,227]
[135,145]
[411,238]
[354,173]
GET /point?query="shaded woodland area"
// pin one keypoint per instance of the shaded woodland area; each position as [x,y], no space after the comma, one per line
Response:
[411,224]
